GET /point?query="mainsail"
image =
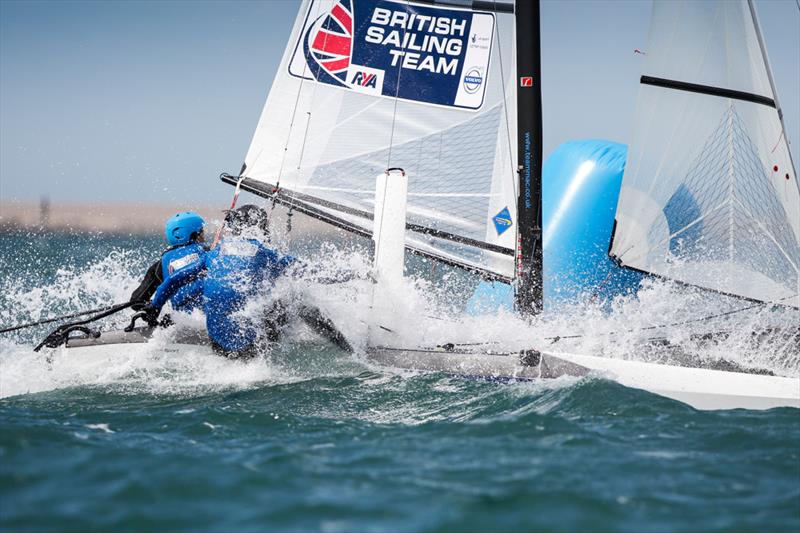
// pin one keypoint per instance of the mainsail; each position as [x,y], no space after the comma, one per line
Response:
[710,195]
[366,85]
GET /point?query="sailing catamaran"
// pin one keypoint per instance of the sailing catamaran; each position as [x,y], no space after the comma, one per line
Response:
[441,100]
[447,96]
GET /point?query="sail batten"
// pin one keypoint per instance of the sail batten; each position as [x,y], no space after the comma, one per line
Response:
[707,89]
[710,195]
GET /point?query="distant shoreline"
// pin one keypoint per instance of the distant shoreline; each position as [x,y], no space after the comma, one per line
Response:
[120,218]
[129,218]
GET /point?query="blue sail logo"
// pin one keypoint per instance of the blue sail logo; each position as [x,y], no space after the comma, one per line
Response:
[502,221]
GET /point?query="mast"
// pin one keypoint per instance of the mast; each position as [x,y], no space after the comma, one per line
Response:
[529,152]
[763,50]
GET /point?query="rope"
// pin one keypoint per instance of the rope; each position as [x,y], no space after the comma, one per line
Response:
[557,338]
[276,191]
[596,293]
[294,113]
[236,192]
[659,326]
[779,137]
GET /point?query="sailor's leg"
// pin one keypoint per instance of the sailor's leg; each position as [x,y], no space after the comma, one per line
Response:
[324,327]
[274,321]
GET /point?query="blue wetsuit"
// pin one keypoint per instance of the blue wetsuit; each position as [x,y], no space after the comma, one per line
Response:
[226,278]
[177,260]
[234,272]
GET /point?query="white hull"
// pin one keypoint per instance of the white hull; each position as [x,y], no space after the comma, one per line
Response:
[110,343]
[698,387]
[701,388]
[108,351]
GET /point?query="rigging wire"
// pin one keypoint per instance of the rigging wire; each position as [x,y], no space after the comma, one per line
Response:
[505,108]
[396,98]
[512,164]
[391,137]
[556,338]
[376,223]
[294,114]
[290,212]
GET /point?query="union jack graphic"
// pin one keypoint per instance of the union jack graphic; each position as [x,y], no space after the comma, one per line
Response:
[328,44]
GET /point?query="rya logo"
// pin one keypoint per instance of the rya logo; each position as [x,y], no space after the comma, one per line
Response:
[364,79]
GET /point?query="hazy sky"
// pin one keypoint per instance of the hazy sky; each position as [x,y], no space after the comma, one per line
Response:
[151,100]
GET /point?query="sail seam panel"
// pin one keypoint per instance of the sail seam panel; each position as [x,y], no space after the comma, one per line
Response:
[769,234]
[417,228]
[340,223]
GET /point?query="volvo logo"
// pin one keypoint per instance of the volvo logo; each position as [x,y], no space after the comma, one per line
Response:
[473,81]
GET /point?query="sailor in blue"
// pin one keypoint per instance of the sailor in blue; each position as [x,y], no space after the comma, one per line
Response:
[184,233]
[240,269]
[225,279]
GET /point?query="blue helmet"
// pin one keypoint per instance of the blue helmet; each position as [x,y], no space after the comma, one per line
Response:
[183,228]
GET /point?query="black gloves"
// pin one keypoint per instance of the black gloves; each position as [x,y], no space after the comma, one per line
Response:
[150,314]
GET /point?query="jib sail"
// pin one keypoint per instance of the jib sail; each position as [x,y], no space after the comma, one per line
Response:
[710,194]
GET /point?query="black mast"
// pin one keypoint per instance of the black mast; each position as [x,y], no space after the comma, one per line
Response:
[529,153]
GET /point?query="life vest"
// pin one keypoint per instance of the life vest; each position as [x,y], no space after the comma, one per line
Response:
[176,259]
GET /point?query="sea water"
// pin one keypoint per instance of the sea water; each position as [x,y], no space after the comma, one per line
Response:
[310,438]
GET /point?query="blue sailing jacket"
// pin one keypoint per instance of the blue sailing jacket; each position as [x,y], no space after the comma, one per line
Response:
[175,261]
[235,272]
[227,277]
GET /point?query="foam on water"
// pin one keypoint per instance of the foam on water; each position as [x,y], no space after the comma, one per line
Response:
[156,367]
[425,313]
[430,314]
[132,367]
[310,438]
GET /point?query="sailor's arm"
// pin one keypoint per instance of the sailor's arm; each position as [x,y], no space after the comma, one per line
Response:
[146,289]
[171,285]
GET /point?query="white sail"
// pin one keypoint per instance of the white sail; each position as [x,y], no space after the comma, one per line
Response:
[366,85]
[710,196]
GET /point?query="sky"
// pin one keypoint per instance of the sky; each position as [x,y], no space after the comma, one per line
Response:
[149,101]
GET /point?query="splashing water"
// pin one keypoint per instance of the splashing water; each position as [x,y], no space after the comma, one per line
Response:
[428,313]
[307,437]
